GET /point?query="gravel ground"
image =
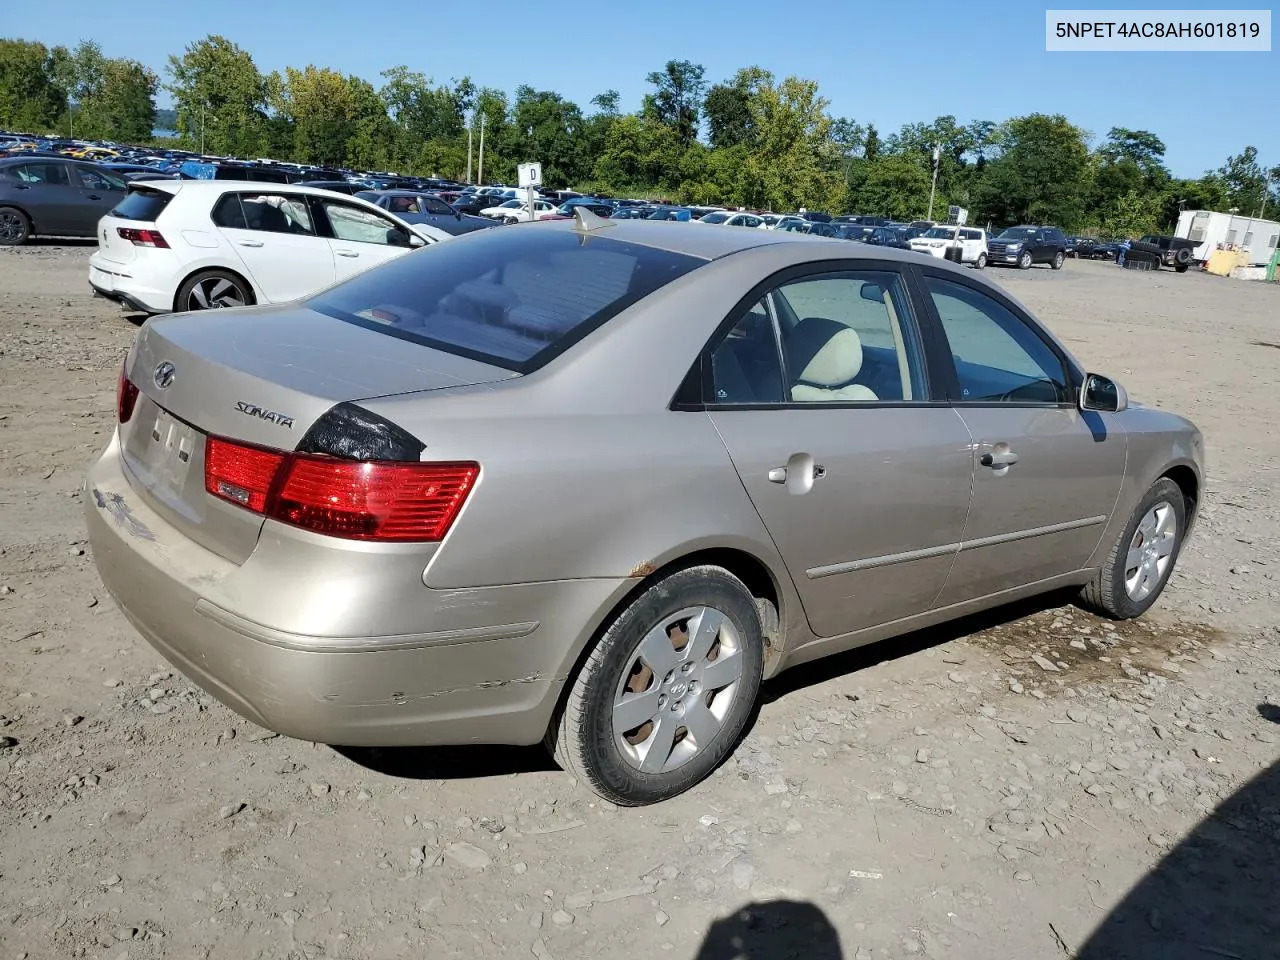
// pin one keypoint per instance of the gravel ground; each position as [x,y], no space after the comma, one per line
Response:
[1031,783]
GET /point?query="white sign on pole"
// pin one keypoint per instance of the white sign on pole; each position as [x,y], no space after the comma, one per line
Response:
[958,215]
[530,174]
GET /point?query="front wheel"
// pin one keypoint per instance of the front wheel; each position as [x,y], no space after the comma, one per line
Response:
[15,228]
[981,261]
[510,220]
[213,290]
[1024,261]
[1141,560]
[667,690]
[1058,260]
[1180,268]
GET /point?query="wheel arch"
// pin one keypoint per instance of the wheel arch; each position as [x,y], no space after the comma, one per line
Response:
[210,268]
[1189,483]
[762,582]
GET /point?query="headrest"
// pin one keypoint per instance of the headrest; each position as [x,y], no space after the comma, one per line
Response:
[824,352]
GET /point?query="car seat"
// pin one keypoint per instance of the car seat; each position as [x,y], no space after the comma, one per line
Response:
[824,358]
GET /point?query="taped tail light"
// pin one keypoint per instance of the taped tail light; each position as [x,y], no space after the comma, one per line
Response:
[385,501]
[126,396]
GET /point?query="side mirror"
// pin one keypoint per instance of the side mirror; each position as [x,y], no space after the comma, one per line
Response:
[1102,394]
[416,241]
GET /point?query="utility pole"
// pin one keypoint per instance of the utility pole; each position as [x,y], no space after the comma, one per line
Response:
[934,186]
[480,171]
[202,129]
[469,128]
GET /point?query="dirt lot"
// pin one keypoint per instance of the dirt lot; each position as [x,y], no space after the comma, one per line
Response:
[942,795]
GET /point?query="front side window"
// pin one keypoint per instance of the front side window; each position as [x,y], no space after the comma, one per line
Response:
[438,207]
[998,357]
[100,180]
[514,298]
[357,225]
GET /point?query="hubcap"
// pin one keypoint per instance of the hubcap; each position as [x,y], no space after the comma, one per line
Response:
[1151,551]
[677,690]
[10,226]
[214,293]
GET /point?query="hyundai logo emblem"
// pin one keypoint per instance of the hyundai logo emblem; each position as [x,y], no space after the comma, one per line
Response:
[165,372]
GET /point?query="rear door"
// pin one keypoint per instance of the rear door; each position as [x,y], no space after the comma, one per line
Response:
[1046,475]
[359,239]
[860,476]
[46,190]
[274,233]
[100,191]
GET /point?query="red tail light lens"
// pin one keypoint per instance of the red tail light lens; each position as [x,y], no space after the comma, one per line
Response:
[143,238]
[241,475]
[126,396]
[386,501]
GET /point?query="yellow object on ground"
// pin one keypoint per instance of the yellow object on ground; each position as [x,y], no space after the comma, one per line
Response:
[1222,262]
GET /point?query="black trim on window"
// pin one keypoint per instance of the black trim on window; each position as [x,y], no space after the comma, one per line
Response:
[933,397]
[1073,376]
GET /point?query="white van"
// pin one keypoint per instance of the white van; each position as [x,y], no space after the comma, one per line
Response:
[935,240]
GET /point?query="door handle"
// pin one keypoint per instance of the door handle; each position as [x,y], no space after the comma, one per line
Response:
[249,243]
[1001,459]
[347,253]
[799,473]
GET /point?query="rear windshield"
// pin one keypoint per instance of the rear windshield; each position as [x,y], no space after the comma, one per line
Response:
[515,297]
[142,205]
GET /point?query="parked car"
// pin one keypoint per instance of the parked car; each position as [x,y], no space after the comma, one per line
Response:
[936,240]
[472,203]
[414,207]
[1105,250]
[1025,245]
[888,237]
[42,195]
[517,211]
[313,542]
[336,186]
[727,218]
[565,211]
[200,244]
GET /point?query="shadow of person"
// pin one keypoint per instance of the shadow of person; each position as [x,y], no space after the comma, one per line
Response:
[1214,895]
[772,930]
[1269,711]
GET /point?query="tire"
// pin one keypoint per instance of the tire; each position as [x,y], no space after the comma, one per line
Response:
[623,767]
[1182,257]
[1058,260]
[1180,267]
[212,290]
[1024,261]
[981,261]
[510,220]
[1140,247]
[15,228]
[1112,592]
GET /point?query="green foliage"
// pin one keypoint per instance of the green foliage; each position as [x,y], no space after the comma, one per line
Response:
[30,100]
[751,140]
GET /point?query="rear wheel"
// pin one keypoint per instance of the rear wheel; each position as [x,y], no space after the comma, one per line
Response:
[981,261]
[1058,260]
[15,228]
[510,220]
[667,690]
[213,290]
[1139,564]
[1024,261]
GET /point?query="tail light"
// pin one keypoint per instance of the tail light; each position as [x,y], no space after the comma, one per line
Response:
[126,396]
[387,501]
[143,238]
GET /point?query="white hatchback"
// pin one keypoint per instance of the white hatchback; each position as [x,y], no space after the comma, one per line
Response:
[935,240]
[175,245]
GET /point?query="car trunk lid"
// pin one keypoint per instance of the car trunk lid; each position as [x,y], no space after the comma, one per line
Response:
[259,376]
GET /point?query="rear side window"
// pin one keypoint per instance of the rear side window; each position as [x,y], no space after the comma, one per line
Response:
[514,298]
[145,205]
[269,212]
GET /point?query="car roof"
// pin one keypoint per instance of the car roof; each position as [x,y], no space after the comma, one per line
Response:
[225,186]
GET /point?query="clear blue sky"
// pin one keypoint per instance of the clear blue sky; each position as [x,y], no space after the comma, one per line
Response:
[883,63]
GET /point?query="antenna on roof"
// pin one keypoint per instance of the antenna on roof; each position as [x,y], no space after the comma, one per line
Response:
[584,220]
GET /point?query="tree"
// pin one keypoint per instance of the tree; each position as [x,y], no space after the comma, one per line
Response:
[1244,180]
[871,149]
[545,127]
[125,110]
[30,99]
[423,111]
[792,162]
[1040,175]
[677,98]
[220,97]
[728,112]
[1132,215]
[607,102]
[893,186]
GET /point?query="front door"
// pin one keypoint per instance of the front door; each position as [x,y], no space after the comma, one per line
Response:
[275,236]
[1046,476]
[100,191]
[862,480]
[361,239]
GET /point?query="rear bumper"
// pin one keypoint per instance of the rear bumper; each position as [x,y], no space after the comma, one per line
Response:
[454,683]
[116,282]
